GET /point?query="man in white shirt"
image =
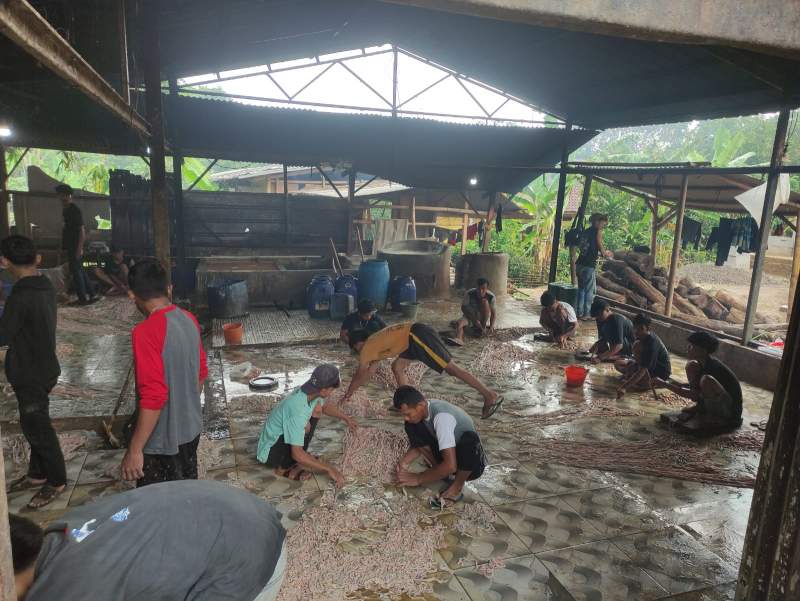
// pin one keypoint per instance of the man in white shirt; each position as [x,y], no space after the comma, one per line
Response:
[445,436]
[558,318]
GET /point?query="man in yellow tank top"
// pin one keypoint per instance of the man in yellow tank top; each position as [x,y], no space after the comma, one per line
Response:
[409,342]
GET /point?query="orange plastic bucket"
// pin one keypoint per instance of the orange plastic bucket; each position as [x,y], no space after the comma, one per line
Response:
[576,375]
[233,333]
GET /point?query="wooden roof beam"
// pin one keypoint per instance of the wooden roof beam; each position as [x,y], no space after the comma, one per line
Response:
[24,26]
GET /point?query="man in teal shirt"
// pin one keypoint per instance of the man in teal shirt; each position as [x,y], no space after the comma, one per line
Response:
[284,440]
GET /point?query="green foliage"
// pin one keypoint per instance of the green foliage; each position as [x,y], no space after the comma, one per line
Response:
[191,170]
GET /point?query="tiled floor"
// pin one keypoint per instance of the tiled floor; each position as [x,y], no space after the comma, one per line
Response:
[563,533]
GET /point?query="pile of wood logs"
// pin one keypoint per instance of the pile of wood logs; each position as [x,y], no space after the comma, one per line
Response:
[632,278]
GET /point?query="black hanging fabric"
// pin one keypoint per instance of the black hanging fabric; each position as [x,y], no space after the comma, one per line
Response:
[692,230]
[725,235]
[498,223]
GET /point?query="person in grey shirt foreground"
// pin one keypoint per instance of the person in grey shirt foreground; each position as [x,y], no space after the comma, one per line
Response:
[183,540]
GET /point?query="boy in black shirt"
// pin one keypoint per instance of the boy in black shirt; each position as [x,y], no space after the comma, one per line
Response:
[650,359]
[113,272]
[712,385]
[614,334]
[73,238]
[32,369]
[364,318]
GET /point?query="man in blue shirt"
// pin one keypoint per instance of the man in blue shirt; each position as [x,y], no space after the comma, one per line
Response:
[288,431]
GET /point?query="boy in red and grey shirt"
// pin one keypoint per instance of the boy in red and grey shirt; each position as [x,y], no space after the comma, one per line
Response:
[170,367]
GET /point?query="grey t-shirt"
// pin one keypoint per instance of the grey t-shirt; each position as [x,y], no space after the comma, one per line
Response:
[451,413]
[187,540]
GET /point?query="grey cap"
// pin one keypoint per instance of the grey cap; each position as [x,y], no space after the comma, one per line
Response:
[324,376]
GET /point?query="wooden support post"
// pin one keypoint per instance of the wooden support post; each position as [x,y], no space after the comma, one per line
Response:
[5,228]
[654,231]
[177,184]
[414,217]
[573,251]
[778,149]
[158,174]
[487,230]
[286,204]
[676,246]
[7,592]
[351,198]
[464,231]
[795,264]
[122,34]
[562,186]
[770,557]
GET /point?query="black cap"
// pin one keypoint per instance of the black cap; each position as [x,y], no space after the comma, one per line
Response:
[366,306]
[64,189]
[324,376]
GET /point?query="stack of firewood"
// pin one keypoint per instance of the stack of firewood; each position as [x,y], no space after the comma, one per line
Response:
[632,278]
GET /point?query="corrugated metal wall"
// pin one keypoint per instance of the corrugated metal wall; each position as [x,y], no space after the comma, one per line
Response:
[238,223]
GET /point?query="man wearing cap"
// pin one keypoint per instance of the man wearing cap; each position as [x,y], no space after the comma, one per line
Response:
[72,240]
[288,431]
[364,318]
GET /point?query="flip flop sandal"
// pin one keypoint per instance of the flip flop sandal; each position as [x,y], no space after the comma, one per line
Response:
[453,341]
[442,502]
[21,483]
[46,495]
[493,409]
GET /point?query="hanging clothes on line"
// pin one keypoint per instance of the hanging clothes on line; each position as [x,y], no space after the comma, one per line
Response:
[692,230]
[724,238]
[498,224]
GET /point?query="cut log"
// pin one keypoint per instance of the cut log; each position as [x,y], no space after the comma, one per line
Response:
[734,316]
[715,309]
[684,281]
[636,299]
[730,302]
[620,298]
[684,306]
[642,286]
[697,290]
[682,290]
[609,284]
[698,300]
[641,262]
[661,272]
[660,284]
[617,268]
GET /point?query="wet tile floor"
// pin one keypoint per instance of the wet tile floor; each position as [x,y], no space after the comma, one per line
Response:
[563,533]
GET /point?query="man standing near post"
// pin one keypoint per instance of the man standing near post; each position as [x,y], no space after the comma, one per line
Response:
[591,247]
[72,240]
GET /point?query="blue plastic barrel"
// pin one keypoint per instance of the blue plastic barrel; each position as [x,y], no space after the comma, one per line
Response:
[318,296]
[373,282]
[347,284]
[403,290]
[342,304]
[228,298]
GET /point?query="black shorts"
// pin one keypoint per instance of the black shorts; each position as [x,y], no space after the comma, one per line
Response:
[280,455]
[167,468]
[469,450]
[424,345]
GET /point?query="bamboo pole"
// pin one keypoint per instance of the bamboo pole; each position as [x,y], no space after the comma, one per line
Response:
[4,221]
[654,231]
[795,265]
[464,229]
[676,246]
[414,217]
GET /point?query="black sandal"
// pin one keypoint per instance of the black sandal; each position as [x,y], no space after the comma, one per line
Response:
[21,483]
[46,495]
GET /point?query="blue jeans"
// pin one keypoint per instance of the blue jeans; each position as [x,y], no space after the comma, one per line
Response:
[587,288]
[80,281]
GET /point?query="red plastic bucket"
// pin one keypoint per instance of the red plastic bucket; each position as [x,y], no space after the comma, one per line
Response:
[233,333]
[575,374]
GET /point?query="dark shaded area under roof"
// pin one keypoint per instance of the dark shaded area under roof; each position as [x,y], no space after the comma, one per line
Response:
[598,81]
[707,192]
[413,152]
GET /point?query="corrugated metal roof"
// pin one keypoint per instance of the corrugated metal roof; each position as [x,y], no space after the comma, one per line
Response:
[706,192]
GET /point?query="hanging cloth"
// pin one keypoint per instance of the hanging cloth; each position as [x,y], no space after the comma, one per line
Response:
[498,224]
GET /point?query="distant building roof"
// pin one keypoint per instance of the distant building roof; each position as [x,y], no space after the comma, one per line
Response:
[253,172]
